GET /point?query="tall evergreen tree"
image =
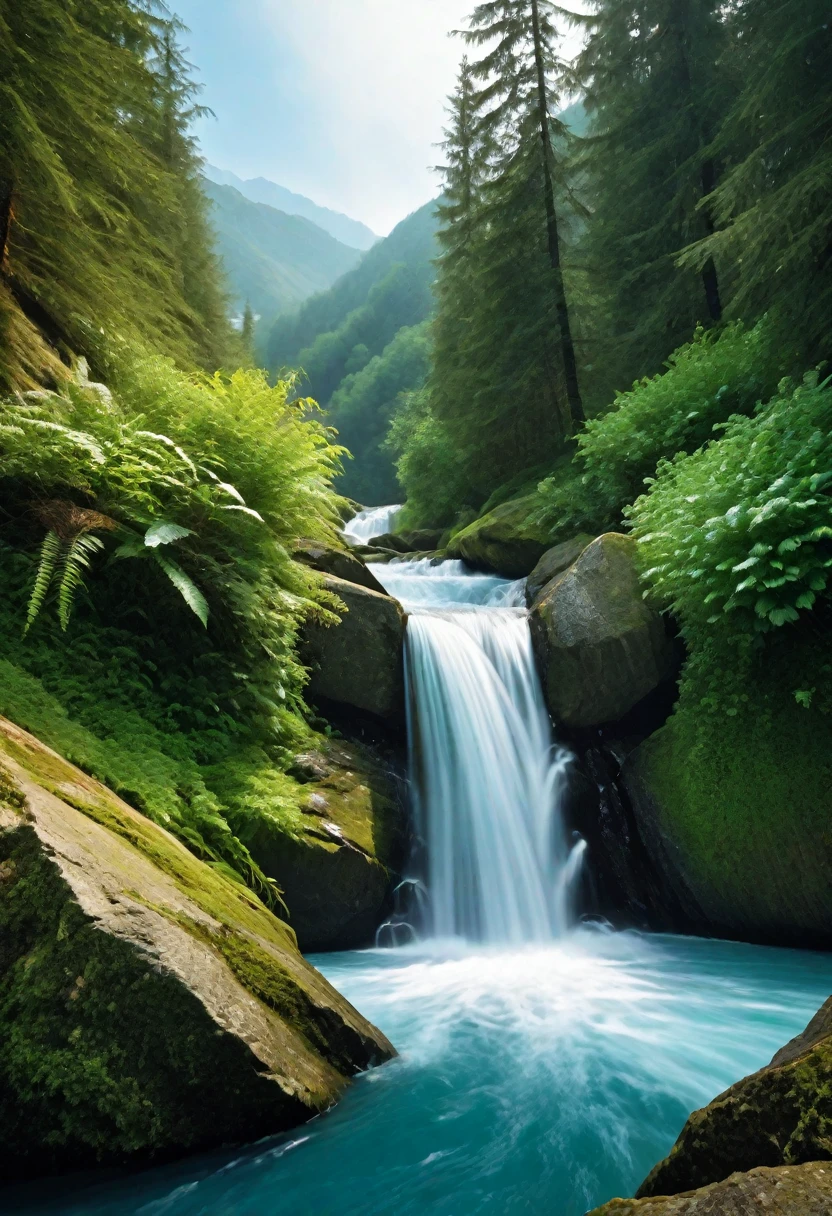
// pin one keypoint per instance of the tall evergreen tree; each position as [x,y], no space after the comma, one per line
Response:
[656,92]
[521,72]
[773,206]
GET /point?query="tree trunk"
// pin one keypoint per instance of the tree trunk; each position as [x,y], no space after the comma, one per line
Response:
[570,366]
[6,214]
[710,281]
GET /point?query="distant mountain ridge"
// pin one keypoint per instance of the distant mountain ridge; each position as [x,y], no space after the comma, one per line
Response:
[273,261]
[260,190]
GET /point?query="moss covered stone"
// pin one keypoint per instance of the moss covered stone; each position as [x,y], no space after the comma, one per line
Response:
[346,845]
[781,1115]
[732,797]
[803,1190]
[601,649]
[506,540]
[149,1005]
[359,662]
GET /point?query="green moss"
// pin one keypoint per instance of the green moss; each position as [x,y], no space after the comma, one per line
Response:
[742,774]
[79,1080]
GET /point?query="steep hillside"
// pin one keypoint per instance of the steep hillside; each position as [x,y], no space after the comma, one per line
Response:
[261,190]
[366,308]
[273,260]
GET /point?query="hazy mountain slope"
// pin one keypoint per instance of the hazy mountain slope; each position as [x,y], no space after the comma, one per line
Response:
[261,190]
[337,332]
[273,260]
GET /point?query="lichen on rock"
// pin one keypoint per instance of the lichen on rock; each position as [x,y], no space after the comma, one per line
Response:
[803,1190]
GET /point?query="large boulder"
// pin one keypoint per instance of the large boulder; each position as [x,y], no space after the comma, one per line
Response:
[343,851]
[506,541]
[360,662]
[798,1190]
[781,1115]
[600,648]
[554,562]
[149,1006]
[744,844]
[345,564]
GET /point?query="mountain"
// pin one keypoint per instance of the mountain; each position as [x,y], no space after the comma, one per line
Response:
[364,342]
[261,190]
[273,260]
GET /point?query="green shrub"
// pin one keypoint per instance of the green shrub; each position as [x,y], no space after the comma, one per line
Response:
[737,538]
[718,374]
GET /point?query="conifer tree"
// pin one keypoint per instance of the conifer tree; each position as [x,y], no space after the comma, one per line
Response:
[521,73]
[773,207]
[656,92]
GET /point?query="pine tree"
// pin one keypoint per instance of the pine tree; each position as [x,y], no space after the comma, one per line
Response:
[521,72]
[773,207]
[656,95]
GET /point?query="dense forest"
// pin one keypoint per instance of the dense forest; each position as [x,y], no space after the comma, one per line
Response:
[148,503]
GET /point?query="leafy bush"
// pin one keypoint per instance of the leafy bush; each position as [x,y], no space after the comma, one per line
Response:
[706,381]
[181,651]
[429,467]
[737,538]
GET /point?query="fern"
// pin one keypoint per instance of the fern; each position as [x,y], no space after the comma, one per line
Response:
[50,552]
[75,559]
[186,587]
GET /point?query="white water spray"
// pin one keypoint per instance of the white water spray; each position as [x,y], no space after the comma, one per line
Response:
[487,776]
[376,521]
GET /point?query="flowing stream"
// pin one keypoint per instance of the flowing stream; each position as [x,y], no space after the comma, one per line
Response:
[543,1067]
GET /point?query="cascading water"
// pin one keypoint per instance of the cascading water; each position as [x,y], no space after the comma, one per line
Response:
[375,521]
[534,1075]
[487,776]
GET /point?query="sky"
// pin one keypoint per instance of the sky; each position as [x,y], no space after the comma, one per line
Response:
[340,100]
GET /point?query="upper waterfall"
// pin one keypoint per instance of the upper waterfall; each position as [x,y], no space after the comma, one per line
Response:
[487,775]
[375,521]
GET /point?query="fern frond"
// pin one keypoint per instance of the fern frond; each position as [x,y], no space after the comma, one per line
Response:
[186,587]
[75,561]
[50,552]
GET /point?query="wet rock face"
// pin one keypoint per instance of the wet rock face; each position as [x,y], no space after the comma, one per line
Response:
[781,1115]
[801,1190]
[504,541]
[343,564]
[149,1006]
[337,871]
[601,649]
[361,661]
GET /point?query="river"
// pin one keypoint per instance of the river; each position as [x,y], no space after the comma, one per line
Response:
[544,1065]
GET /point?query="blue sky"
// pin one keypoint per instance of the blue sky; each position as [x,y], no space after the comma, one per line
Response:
[341,100]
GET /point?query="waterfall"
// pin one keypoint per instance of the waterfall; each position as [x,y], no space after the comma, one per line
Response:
[486,773]
[376,521]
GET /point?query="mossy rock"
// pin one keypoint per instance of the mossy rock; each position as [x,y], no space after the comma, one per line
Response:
[600,648]
[342,563]
[781,1115]
[359,662]
[734,808]
[337,867]
[800,1190]
[149,1005]
[504,541]
[554,562]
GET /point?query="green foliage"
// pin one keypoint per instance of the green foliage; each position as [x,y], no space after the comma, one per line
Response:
[737,536]
[362,408]
[773,206]
[99,181]
[428,465]
[658,77]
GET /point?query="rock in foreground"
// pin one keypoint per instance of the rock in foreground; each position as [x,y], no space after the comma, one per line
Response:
[601,649]
[799,1190]
[361,661]
[781,1115]
[554,562]
[340,562]
[149,1006]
